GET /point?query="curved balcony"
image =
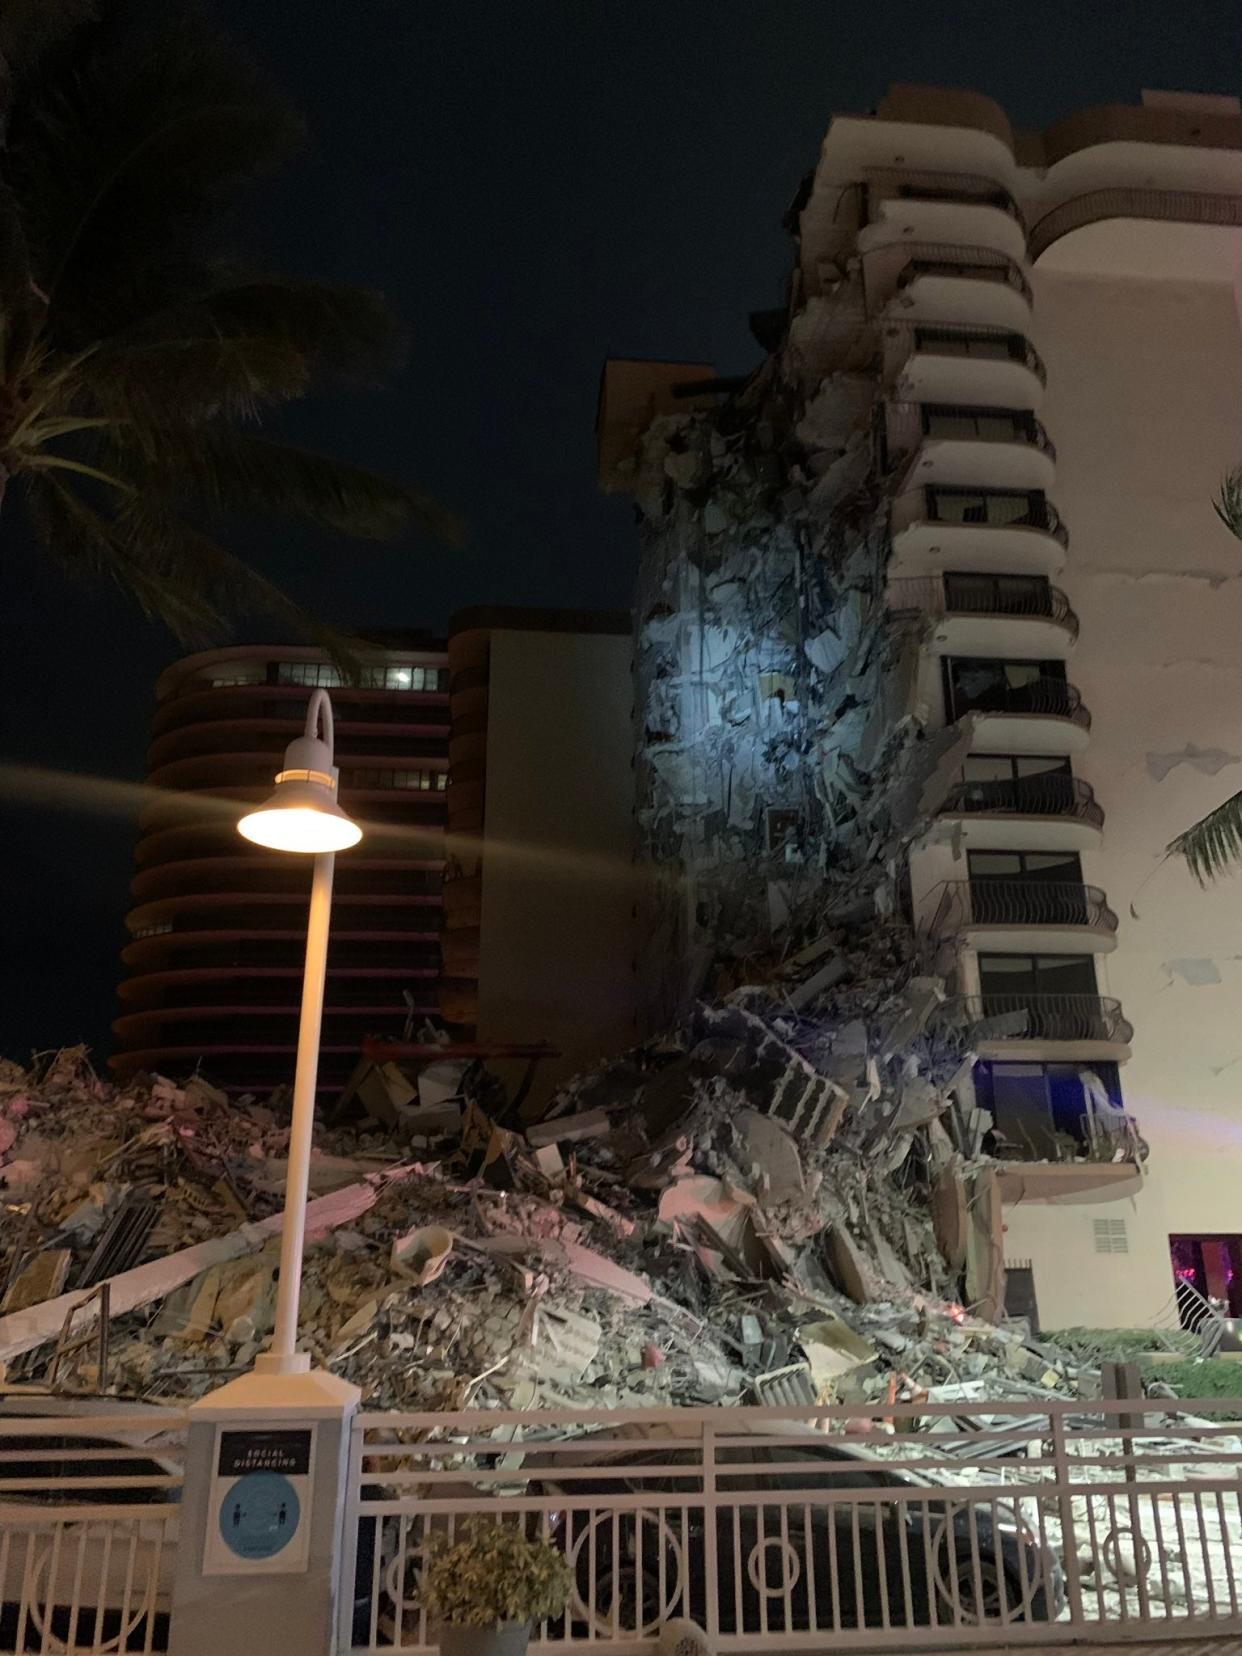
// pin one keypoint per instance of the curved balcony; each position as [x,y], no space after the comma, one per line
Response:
[967,445]
[1049,812]
[996,618]
[906,204]
[1126,202]
[947,282]
[1046,716]
[945,363]
[1021,916]
[1045,1028]
[1005,534]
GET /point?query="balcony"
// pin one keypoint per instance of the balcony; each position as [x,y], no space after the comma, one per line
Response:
[930,282]
[1105,1164]
[1048,812]
[927,362]
[968,446]
[1042,1028]
[1019,532]
[1012,916]
[906,205]
[1002,617]
[1044,716]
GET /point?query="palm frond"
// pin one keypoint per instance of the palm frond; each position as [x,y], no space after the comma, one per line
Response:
[1228,502]
[175,572]
[229,471]
[1213,846]
[121,153]
[146,386]
[346,334]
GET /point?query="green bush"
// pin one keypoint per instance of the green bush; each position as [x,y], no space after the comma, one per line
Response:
[1121,1345]
[495,1574]
[1216,1377]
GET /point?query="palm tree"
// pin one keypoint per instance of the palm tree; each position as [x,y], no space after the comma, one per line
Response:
[1213,845]
[136,363]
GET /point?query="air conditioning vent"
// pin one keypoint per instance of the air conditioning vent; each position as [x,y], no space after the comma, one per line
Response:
[1111,1236]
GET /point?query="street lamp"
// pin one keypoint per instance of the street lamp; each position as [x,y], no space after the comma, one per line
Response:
[303,815]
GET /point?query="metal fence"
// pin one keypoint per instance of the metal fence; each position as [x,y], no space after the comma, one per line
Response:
[88,1529]
[831,1528]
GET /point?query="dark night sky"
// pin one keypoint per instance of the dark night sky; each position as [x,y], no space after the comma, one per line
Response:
[536,184]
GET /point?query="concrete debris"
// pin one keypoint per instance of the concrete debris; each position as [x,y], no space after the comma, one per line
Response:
[760,1203]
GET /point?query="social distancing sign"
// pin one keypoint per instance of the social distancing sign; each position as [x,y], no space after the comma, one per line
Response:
[259,1523]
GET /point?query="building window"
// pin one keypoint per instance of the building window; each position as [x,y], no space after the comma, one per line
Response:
[1111,1236]
[1029,784]
[1047,1112]
[323,676]
[979,684]
[1207,1274]
[993,425]
[226,673]
[967,342]
[1014,977]
[973,594]
[158,930]
[997,507]
[417,780]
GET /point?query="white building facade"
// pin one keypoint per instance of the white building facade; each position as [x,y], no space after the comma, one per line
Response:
[1063,393]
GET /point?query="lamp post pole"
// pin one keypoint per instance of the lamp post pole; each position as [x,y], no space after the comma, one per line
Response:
[283,1357]
[303,815]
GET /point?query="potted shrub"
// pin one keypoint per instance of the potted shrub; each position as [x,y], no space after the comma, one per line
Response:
[487,1588]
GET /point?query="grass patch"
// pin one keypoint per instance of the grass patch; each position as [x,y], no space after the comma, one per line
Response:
[1216,1377]
[1123,1345]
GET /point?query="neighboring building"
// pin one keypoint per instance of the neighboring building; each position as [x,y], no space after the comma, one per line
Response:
[540,890]
[218,930]
[858,560]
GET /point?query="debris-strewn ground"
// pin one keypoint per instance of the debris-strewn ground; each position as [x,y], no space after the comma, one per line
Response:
[774,1201]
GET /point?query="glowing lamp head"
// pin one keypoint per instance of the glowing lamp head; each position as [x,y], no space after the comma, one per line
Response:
[302,814]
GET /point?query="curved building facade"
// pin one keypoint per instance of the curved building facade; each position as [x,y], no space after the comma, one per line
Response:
[218,926]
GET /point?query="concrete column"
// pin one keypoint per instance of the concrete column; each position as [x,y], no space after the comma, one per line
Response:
[260,1547]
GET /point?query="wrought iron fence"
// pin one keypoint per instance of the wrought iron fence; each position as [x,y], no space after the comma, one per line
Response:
[1036,1017]
[1019,903]
[979,595]
[88,1529]
[1046,794]
[914,1526]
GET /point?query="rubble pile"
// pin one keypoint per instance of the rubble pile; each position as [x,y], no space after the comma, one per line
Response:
[767,1203]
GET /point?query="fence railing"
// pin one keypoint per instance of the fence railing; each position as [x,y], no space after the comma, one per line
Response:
[88,1530]
[1040,1017]
[939,339]
[772,1530]
[936,595]
[1179,206]
[908,425]
[1041,795]
[924,184]
[1038,514]
[1019,903]
[956,259]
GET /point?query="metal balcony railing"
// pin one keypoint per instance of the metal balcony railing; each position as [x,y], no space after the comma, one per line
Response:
[1041,1017]
[1040,514]
[958,189]
[932,596]
[1018,347]
[1177,206]
[955,259]
[1051,697]
[1020,903]
[908,426]
[1049,795]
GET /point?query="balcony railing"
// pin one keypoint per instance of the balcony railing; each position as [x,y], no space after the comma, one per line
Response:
[931,596]
[908,426]
[1018,347]
[1020,903]
[1049,697]
[1041,514]
[1175,206]
[1040,1017]
[973,264]
[957,189]
[1050,795]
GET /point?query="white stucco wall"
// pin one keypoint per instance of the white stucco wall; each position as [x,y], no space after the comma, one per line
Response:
[556,946]
[1144,403]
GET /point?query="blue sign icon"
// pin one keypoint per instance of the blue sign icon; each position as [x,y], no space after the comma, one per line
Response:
[259,1515]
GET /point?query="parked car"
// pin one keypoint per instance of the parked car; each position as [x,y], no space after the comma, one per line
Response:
[881,1555]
